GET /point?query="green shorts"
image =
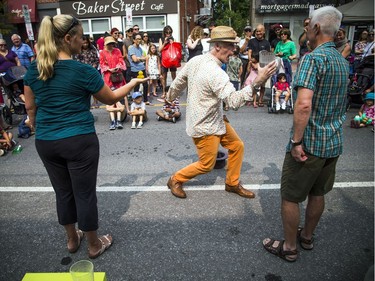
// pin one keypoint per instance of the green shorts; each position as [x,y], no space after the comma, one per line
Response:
[314,177]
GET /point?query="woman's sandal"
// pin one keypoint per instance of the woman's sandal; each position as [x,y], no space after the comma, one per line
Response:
[306,244]
[260,104]
[106,243]
[279,251]
[80,235]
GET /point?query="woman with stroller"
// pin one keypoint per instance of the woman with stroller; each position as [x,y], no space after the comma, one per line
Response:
[286,49]
[8,58]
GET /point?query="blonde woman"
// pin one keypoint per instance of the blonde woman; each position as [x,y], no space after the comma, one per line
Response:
[58,90]
[194,43]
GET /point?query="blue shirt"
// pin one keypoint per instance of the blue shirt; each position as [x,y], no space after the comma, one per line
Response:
[24,53]
[325,72]
[63,101]
[138,52]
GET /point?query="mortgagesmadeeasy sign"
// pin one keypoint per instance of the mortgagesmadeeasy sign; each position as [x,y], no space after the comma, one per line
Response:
[99,8]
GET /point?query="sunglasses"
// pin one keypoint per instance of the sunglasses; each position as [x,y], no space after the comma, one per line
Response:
[168,32]
[2,45]
[135,28]
[73,24]
[371,34]
[145,35]
[115,33]
[247,30]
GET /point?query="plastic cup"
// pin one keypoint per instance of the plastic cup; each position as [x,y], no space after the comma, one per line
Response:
[82,271]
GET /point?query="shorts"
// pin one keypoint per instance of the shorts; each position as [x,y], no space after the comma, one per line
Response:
[165,70]
[314,177]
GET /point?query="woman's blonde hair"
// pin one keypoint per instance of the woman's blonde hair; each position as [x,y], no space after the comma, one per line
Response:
[52,32]
[196,33]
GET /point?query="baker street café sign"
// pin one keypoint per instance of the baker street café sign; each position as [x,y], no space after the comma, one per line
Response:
[100,8]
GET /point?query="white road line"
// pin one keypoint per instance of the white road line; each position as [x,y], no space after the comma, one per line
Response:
[164,188]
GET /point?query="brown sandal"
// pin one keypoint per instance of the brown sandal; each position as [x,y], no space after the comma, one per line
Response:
[306,244]
[279,250]
[80,235]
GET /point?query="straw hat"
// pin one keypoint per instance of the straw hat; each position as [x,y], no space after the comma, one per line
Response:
[109,39]
[223,34]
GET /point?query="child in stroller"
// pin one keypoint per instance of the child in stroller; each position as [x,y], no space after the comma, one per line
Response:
[281,97]
[360,82]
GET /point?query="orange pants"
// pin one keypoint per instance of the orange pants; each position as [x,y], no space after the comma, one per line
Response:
[207,148]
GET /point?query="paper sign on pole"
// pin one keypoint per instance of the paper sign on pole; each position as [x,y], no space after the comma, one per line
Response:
[129,16]
[29,28]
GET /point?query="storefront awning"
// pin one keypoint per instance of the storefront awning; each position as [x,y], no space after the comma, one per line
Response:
[358,11]
[15,9]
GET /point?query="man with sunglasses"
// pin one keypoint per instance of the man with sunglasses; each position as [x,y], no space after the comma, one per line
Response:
[136,28]
[208,86]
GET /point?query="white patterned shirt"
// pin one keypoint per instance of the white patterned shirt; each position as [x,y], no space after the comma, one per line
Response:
[208,86]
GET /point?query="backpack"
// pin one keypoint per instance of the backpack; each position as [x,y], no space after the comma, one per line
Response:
[24,132]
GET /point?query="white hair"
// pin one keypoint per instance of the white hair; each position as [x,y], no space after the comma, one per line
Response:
[329,19]
[16,36]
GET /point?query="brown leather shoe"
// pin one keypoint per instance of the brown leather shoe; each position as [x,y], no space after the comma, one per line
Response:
[176,188]
[240,190]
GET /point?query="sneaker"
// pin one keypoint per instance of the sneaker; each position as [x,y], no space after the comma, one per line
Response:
[277,107]
[119,125]
[133,125]
[283,105]
[140,124]
[174,119]
[158,118]
[113,125]
[2,152]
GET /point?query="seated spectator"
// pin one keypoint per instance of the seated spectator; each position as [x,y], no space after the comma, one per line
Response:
[116,114]
[138,110]
[6,141]
[170,111]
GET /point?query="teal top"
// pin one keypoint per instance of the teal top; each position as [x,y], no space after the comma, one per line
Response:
[288,49]
[63,101]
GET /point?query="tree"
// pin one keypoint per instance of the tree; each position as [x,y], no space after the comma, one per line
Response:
[232,12]
[5,16]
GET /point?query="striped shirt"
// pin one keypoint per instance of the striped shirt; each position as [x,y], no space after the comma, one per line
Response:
[208,85]
[325,72]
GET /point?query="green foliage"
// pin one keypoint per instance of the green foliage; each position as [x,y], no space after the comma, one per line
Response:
[238,17]
[5,26]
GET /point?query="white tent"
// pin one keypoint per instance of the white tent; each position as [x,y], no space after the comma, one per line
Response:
[358,11]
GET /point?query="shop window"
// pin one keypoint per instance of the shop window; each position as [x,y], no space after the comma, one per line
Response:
[95,27]
[152,24]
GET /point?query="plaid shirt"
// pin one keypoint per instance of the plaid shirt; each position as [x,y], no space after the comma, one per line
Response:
[325,72]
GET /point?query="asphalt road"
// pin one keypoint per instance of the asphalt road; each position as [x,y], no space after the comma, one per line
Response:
[211,235]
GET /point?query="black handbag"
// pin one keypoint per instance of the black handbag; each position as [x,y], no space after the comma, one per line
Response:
[117,77]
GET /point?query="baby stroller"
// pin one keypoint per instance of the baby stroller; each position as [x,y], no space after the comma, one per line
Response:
[12,86]
[287,106]
[361,81]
